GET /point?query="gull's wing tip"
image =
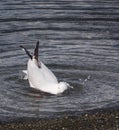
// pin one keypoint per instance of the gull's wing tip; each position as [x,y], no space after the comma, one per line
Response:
[27,52]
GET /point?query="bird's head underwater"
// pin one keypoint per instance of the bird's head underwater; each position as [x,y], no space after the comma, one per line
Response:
[40,77]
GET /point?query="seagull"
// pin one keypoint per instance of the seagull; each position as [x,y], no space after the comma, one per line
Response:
[40,77]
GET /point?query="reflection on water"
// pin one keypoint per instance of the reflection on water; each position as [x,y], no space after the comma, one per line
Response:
[78,42]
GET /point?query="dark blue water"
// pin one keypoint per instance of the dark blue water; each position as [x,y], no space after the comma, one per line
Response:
[79,42]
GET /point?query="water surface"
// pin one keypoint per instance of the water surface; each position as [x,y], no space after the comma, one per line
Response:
[79,42]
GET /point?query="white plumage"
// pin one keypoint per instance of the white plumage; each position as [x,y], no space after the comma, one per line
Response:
[40,77]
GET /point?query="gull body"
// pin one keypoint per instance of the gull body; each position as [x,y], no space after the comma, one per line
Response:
[40,77]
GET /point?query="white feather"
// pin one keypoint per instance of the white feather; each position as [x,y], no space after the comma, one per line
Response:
[43,79]
[25,76]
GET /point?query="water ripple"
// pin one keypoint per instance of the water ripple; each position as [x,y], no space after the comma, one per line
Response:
[78,42]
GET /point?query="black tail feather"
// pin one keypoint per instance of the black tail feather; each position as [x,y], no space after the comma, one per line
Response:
[36,51]
[27,52]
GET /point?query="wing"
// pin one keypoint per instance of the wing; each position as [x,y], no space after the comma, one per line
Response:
[27,52]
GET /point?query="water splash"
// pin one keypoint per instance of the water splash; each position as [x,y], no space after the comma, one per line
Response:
[84,81]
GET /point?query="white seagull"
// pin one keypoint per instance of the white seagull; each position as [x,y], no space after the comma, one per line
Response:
[40,77]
